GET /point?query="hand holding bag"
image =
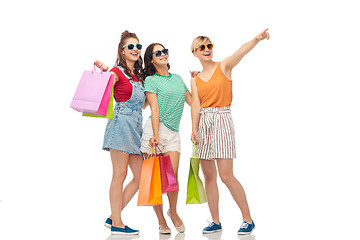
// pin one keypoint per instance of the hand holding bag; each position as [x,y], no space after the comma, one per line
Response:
[150,182]
[195,193]
[93,92]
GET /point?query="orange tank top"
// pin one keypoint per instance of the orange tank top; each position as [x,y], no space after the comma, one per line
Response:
[217,92]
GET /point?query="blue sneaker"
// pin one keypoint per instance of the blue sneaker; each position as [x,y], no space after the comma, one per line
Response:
[212,228]
[108,223]
[123,231]
[246,228]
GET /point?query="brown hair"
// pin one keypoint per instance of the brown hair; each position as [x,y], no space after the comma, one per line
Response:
[198,41]
[148,56]
[120,61]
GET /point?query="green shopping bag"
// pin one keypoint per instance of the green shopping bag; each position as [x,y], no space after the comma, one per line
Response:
[110,110]
[195,193]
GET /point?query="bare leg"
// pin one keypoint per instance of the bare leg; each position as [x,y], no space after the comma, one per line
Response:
[212,192]
[159,212]
[119,161]
[160,215]
[173,196]
[225,168]
[135,163]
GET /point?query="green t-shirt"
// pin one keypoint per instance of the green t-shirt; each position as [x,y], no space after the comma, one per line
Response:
[171,92]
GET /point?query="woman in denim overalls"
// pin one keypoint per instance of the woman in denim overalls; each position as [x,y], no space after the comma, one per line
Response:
[123,132]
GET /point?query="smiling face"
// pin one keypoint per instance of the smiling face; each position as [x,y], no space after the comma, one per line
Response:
[201,49]
[133,54]
[161,61]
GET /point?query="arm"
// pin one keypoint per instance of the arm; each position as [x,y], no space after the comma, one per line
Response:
[195,106]
[116,78]
[188,98]
[146,103]
[105,68]
[230,62]
[155,113]
[98,64]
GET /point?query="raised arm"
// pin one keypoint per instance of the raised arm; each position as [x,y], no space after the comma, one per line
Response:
[105,68]
[155,113]
[100,64]
[230,62]
[195,107]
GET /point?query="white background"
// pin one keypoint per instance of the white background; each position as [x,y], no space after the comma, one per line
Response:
[295,107]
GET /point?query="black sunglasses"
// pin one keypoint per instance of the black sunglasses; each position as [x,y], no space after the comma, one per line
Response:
[158,53]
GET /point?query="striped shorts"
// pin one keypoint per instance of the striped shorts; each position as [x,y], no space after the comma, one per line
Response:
[216,133]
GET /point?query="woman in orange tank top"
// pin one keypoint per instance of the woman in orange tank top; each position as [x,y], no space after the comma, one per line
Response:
[213,128]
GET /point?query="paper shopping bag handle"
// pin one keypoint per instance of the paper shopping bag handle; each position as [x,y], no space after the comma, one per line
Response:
[156,146]
[151,152]
[94,70]
[195,151]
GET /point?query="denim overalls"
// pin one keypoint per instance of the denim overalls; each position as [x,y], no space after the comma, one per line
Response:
[124,131]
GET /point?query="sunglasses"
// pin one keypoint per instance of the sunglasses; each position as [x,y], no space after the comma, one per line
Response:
[202,47]
[131,46]
[158,53]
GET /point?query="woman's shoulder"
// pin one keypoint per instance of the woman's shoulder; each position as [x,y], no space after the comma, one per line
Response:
[119,71]
[149,78]
[177,76]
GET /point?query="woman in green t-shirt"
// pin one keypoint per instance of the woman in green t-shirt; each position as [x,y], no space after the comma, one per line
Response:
[166,94]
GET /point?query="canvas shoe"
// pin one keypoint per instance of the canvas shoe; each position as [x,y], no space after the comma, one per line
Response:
[123,231]
[164,231]
[212,228]
[108,223]
[246,228]
[181,228]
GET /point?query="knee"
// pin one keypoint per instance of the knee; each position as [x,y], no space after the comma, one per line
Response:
[227,179]
[176,177]
[210,177]
[120,175]
[136,180]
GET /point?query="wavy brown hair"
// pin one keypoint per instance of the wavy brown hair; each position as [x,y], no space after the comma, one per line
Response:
[150,69]
[120,61]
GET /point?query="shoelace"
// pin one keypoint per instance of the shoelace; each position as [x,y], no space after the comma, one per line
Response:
[210,223]
[244,225]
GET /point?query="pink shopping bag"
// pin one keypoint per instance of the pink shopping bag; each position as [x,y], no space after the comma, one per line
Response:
[168,179]
[93,92]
